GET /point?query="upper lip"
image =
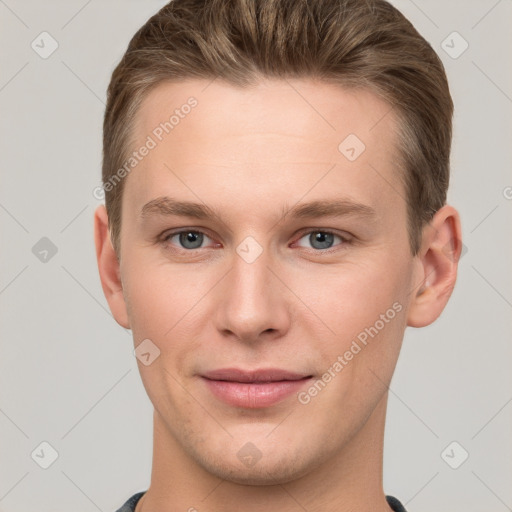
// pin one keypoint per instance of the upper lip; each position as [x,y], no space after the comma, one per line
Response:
[258,375]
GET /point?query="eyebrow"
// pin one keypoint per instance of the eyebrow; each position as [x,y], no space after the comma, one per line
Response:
[167,206]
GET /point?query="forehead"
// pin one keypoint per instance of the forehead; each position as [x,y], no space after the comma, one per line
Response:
[267,137]
[295,107]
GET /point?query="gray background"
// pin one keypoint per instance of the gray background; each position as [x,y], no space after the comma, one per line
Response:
[67,370]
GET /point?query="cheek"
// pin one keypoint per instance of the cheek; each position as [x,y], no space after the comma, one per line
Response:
[355,296]
[159,297]
[365,307]
[166,306]
[161,307]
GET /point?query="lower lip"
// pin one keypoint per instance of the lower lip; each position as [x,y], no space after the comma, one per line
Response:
[253,395]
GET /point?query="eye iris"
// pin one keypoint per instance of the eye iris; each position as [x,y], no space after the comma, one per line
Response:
[194,238]
[324,240]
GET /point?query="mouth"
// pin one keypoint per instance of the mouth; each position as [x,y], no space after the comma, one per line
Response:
[254,388]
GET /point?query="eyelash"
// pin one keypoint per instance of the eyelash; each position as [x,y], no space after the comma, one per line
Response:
[345,240]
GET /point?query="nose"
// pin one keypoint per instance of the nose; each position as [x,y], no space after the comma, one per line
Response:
[252,302]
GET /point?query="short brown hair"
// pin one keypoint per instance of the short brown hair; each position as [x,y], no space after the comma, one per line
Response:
[355,43]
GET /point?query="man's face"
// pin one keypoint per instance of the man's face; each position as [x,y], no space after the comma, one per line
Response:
[258,285]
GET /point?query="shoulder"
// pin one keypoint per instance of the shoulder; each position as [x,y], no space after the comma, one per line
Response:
[131,503]
[395,505]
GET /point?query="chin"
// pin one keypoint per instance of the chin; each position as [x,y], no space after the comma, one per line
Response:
[273,468]
[257,476]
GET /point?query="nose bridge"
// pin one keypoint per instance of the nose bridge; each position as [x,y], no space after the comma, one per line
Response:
[252,301]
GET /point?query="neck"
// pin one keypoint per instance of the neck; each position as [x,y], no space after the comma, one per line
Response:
[350,480]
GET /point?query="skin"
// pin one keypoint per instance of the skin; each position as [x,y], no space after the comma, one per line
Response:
[251,155]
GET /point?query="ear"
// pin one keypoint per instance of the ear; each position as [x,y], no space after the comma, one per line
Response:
[437,261]
[109,269]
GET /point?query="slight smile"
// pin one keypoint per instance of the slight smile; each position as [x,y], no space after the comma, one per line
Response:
[254,388]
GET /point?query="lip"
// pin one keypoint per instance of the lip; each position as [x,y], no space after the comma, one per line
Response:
[253,389]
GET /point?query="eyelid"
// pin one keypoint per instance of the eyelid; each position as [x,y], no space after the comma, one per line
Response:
[167,235]
[342,234]
[346,238]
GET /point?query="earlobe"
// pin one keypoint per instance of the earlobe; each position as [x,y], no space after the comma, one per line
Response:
[109,269]
[437,267]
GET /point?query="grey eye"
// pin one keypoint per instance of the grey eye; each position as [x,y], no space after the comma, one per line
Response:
[320,239]
[190,239]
